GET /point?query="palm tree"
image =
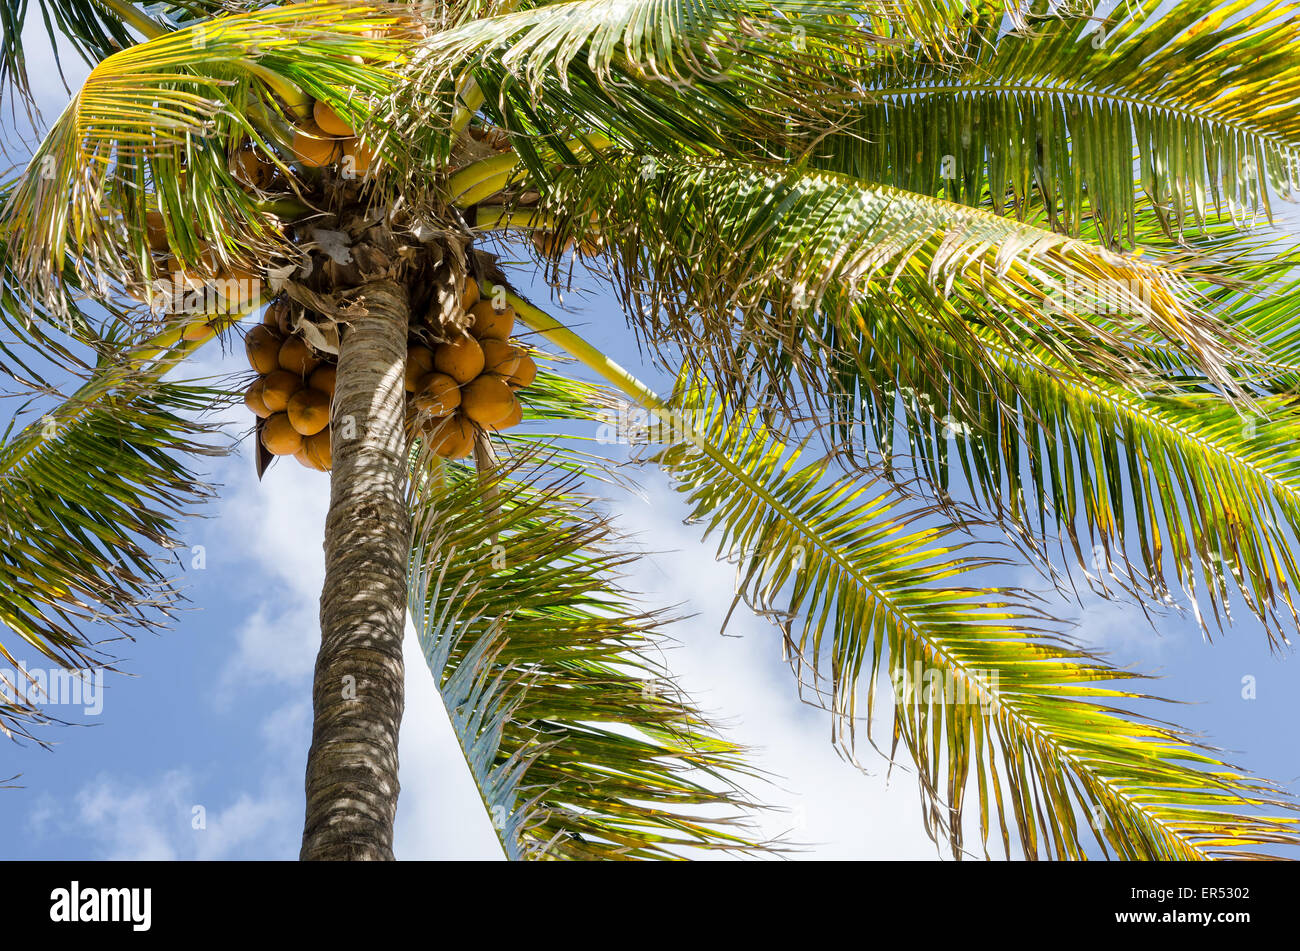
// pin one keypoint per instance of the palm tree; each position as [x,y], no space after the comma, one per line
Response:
[945,286]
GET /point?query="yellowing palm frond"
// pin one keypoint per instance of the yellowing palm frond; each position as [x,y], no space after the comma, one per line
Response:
[155,125]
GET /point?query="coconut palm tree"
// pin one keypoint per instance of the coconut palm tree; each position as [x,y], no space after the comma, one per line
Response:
[945,286]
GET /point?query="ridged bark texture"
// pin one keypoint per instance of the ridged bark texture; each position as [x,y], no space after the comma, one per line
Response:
[358,693]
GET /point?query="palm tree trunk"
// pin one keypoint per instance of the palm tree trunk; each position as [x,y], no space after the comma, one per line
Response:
[358,693]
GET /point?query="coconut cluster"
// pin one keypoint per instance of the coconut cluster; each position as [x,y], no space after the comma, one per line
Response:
[293,391]
[469,382]
[327,139]
[454,388]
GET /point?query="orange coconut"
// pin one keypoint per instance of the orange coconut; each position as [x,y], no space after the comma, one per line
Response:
[513,418]
[357,158]
[249,168]
[438,394]
[549,244]
[490,322]
[452,437]
[487,400]
[470,296]
[525,373]
[305,460]
[329,121]
[279,436]
[253,399]
[296,357]
[262,344]
[155,231]
[309,411]
[195,276]
[319,449]
[277,388]
[278,316]
[238,286]
[313,147]
[322,378]
[419,364]
[500,357]
[200,331]
[462,359]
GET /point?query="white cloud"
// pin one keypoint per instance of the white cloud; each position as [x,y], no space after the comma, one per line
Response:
[128,822]
[155,819]
[266,824]
[1117,627]
[288,729]
[274,529]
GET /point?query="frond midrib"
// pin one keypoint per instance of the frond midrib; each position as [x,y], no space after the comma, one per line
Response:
[1061,90]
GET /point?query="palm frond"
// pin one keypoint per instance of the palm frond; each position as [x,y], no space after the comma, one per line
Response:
[716,256]
[872,587]
[92,493]
[154,127]
[1200,92]
[1037,725]
[580,745]
[1176,478]
[1170,478]
[33,342]
[701,77]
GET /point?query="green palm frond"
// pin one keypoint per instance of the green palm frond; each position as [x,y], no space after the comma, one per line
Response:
[1202,92]
[1176,479]
[723,255]
[1039,727]
[1171,478]
[33,342]
[580,745]
[92,492]
[701,77]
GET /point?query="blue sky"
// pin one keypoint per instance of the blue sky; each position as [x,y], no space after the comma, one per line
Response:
[214,714]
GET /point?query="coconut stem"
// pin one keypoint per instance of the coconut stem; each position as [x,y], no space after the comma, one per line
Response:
[485,461]
[485,178]
[151,29]
[468,99]
[498,217]
[475,182]
[585,353]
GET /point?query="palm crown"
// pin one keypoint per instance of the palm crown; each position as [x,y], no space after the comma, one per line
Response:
[944,286]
